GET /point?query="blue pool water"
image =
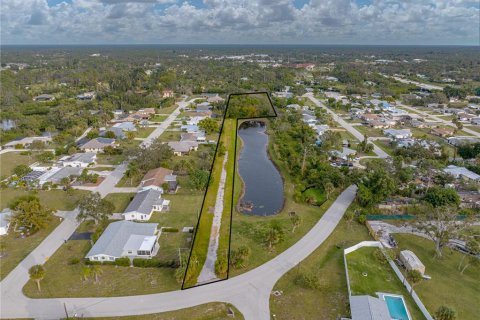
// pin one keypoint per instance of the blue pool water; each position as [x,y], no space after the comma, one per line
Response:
[396,307]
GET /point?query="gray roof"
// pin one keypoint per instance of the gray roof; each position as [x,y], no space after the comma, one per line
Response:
[65,172]
[119,134]
[182,146]
[144,201]
[86,157]
[117,234]
[98,143]
[5,215]
[368,308]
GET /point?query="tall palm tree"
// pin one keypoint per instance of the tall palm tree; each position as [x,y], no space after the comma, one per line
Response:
[96,271]
[37,273]
[86,272]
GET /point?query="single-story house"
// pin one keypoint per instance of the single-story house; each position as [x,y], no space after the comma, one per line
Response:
[80,160]
[368,308]
[44,97]
[181,148]
[411,261]
[119,133]
[378,124]
[193,136]
[461,172]
[204,106]
[125,126]
[321,129]
[215,99]
[294,106]
[193,121]
[465,116]
[5,216]
[443,132]
[344,154]
[398,133]
[475,121]
[168,94]
[144,204]
[126,239]
[27,141]
[155,178]
[56,176]
[97,144]
[87,96]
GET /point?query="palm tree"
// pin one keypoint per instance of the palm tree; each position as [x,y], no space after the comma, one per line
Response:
[329,188]
[37,273]
[132,171]
[86,272]
[96,271]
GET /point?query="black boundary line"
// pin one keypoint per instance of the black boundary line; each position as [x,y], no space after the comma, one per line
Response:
[233,183]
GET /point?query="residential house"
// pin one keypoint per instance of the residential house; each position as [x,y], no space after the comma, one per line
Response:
[79,160]
[475,121]
[125,239]
[345,154]
[321,129]
[168,94]
[215,99]
[193,121]
[398,134]
[144,204]
[461,141]
[97,144]
[461,172]
[157,178]
[5,216]
[190,128]
[44,97]
[193,136]
[27,141]
[367,117]
[378,124]
[204,106]
[119,133]
[368,308]
[465,116]
[181,148]
[125,126]
[443,132]
[146,113]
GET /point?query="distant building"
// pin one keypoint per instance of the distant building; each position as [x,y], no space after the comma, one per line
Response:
[44,97]
[125,239]
[461,172]
[97,144]
[168,94]
[156,178]
[26,142]
[181,148]
[80,160]
[126,126]
[87,96]
[144,204]
[443,132]
[397,134]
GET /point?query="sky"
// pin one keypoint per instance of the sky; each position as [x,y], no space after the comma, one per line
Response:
[364,22]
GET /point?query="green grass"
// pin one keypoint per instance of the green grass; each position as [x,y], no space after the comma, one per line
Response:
[380,278]
[120,200]
[143,132]
[447,286]
[371,132]
[316,194]
[9,160]
[385,146]
[326,262]
[170,136]
[209,311]
[16,248]
[110,159]
[101,169]
[53,199]
[130,182]
[158,118]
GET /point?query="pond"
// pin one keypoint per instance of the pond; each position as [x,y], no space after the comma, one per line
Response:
[262,193]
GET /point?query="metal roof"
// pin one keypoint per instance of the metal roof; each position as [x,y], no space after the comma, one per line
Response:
[144,201]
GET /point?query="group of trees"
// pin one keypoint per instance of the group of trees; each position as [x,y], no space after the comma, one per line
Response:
[29,214]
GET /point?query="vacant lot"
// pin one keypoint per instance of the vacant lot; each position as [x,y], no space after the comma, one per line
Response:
[53,199]
[158,118]
[447,286]
[17,248]
[120,200]
[10,160]
[143,132]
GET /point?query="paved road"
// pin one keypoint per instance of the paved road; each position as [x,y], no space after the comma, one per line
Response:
[249,292]
[379,152]
[418,84]
[437,118]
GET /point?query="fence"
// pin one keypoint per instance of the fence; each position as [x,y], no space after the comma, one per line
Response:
[397,271]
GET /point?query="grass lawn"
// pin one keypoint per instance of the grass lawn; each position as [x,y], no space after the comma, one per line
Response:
[9,160]
[101,169]
[168,110]
[316,194]
[326,262]
[385,146]
[110,159]
[16,248]
[170,136]
[120,200]
[380,278]
[158,118]
[371,132]
[54,199]
[474,128]
[447,287]
[143,132]
[209,311]
[130,182]
[63,279]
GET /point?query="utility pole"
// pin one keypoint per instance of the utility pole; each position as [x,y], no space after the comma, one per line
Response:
[65,308]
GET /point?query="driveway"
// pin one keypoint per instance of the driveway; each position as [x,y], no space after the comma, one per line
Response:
[249,292]
[350,128]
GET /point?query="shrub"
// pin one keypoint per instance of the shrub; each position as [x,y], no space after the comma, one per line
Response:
[169,229]
[146,263]
[91,263]
[73,261]
[308,280]
[122,262]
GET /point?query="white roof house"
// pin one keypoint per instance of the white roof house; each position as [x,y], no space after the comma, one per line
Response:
[125,239]
[25,142]
[398,133]
[343,154]
[80,160]
[411,261]
[461,172]
[5,215]
[183,147]
[126,126]
[97,144]
[144,204]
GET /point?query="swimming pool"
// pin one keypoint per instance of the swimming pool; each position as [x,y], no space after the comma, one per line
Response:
[396,306]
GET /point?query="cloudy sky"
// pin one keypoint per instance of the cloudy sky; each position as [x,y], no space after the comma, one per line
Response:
[423,22]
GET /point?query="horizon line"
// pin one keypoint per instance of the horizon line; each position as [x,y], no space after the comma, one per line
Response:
[239,44]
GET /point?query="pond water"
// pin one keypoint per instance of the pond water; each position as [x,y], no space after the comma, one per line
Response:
[263,185]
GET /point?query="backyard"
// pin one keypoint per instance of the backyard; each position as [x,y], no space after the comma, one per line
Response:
[448,286]
[369,273]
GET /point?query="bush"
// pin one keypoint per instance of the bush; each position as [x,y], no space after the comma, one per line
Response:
[122,262]
[146,263]
[308,280]
[73,261]
[91,263]
[169,229]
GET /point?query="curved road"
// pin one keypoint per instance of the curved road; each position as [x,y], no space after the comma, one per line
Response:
[249,292]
